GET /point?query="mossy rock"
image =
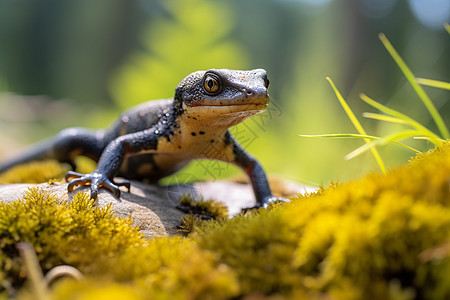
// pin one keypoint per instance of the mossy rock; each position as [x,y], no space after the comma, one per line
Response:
[156,209]
[380,237]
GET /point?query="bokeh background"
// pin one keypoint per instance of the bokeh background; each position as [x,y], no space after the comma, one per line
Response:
[80,63]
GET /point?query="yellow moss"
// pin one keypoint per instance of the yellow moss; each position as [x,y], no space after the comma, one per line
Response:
[352,241]
[105,249]
[189,224]
[77,233]
[98,290]
[208,208]
[380,237]
[374,229]
[44,171]
[165,268]
[35,172]
[258,248]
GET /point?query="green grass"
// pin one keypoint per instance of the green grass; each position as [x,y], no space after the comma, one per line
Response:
[412,128]
[357,125]
[417,88]
[434,83]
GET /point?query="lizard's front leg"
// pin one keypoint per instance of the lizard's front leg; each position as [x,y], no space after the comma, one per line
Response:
[257,176]
[110,162]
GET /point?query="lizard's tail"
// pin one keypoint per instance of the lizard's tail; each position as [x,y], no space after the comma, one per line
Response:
[40,151]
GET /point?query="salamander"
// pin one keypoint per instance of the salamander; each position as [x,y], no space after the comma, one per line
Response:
[157,138]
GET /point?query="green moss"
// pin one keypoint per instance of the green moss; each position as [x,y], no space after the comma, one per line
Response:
[380,237]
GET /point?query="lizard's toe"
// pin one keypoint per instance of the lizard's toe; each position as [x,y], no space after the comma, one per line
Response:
[72,175]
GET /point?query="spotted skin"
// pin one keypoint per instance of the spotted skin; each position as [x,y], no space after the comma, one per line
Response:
[157,138]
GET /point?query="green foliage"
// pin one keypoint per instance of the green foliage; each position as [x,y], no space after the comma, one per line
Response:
[186,41]
[434,83]
[357,125]
[3,84]
[417,88]
[414,130]
[380,237]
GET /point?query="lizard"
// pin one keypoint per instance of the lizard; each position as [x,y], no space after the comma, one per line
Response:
[157,138]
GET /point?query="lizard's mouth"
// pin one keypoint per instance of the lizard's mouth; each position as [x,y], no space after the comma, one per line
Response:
[242,102]
[239,106]
[224,115]
[232,109]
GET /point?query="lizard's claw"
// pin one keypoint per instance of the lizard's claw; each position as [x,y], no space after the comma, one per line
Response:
[266,202]
[272,199]
[96,181]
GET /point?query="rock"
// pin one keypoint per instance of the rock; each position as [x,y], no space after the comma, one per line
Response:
[153,207]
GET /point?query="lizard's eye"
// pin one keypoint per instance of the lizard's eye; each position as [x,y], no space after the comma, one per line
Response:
[211,84]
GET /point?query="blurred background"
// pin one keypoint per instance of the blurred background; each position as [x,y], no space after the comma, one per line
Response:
[80,63]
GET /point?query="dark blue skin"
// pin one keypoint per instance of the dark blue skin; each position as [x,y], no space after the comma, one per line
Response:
[157,138]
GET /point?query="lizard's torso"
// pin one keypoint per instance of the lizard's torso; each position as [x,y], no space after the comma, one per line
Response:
[181,138]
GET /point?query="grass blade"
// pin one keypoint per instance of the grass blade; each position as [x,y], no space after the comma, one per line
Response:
[340,135]
[393,138]
[385,118]
[347,108]
[434,83]
[422,130]
[447,27]
[418,89]
[422,138]
[360,136]
[357,125]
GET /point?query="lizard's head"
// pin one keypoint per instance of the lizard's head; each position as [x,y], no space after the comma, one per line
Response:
[223,96]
